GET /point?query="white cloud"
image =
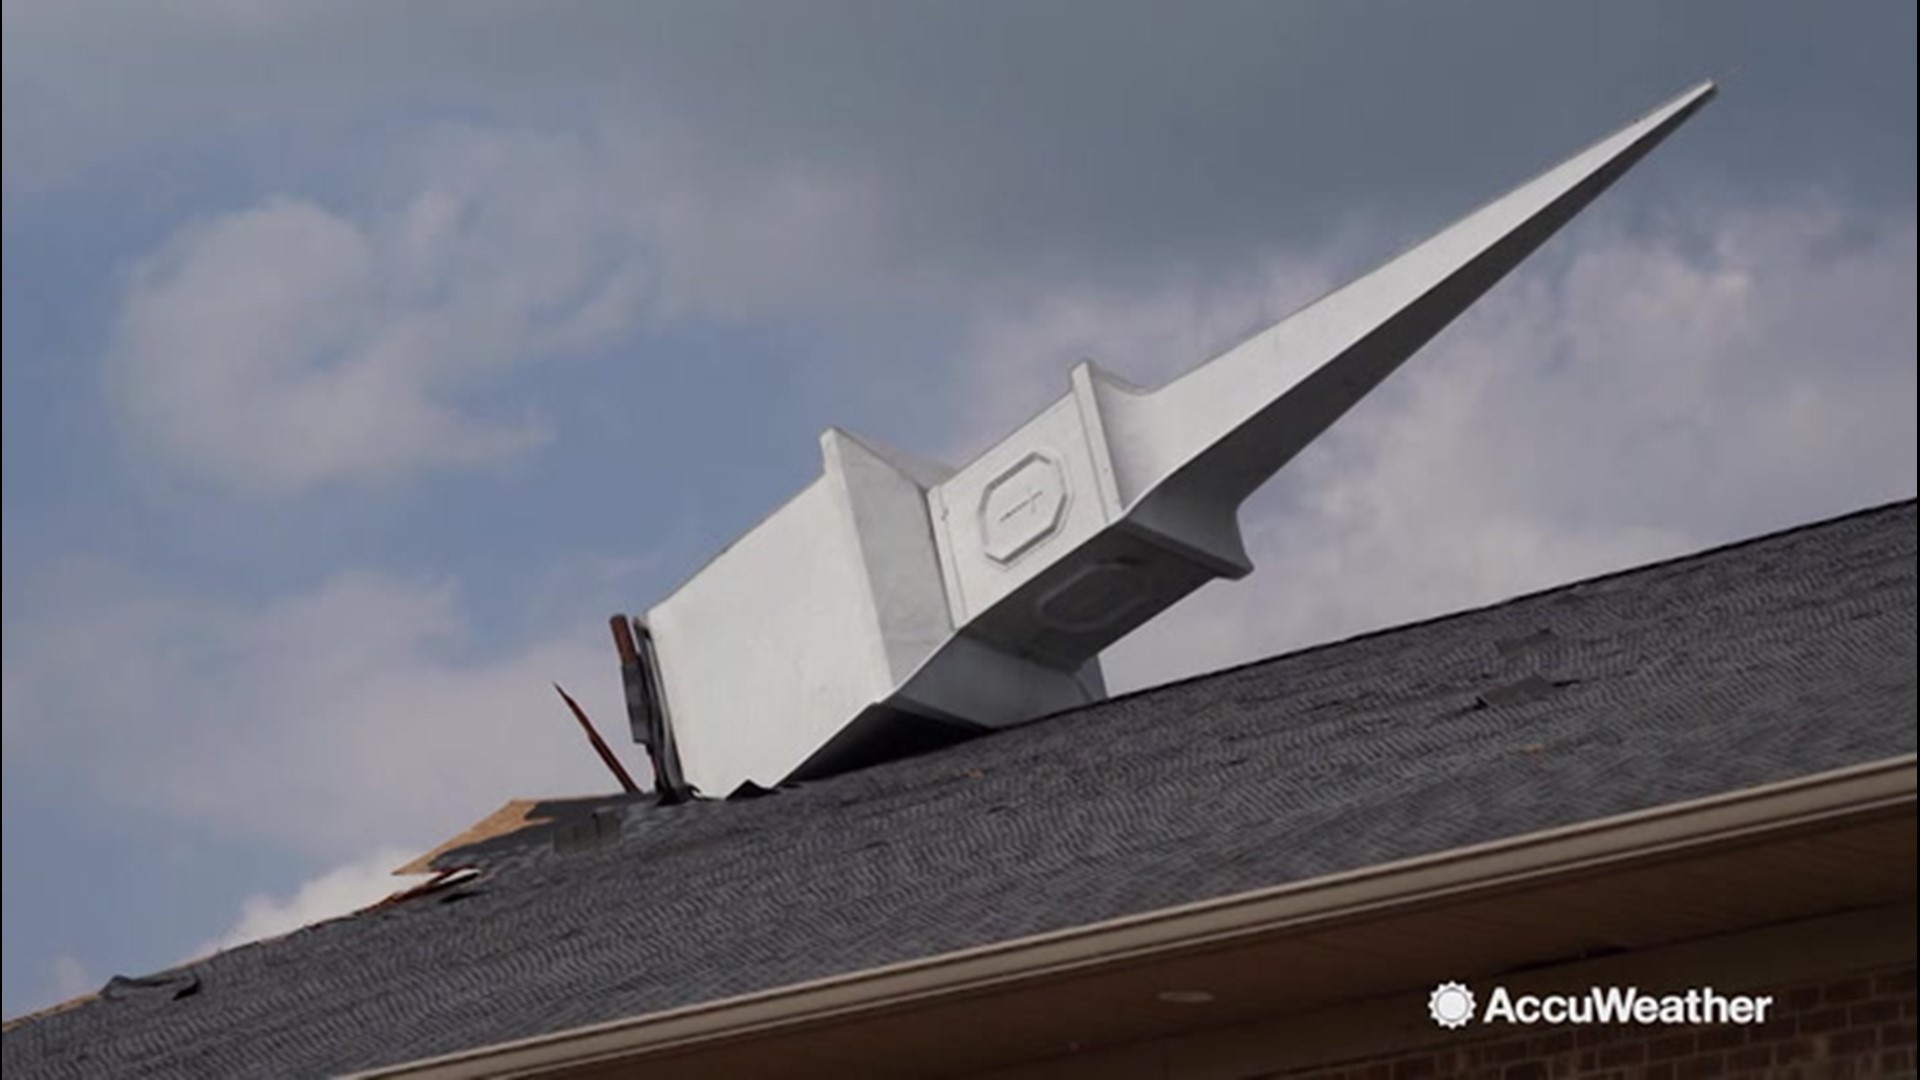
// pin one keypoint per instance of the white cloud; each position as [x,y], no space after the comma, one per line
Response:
[63,979]
[326,721]
[1640,396]
[340,891]
[68,979]
[288,346]
[260,350]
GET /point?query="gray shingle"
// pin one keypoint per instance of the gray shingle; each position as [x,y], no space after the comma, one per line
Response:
[1776,658]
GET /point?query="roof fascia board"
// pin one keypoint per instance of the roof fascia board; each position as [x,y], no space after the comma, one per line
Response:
[1679,828]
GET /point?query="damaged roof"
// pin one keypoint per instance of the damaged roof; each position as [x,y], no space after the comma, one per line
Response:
[1772,659]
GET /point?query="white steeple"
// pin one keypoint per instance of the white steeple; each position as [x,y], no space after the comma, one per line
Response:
[894,604]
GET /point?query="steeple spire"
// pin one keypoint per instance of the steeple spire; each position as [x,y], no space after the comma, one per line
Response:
[894,604]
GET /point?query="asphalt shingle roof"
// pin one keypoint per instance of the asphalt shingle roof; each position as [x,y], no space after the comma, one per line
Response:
[1780,657]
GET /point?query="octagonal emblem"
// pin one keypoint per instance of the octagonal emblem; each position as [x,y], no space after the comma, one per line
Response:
[1022,507]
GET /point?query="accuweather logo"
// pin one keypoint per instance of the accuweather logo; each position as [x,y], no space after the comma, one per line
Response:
[1450,1005]
[1453,1005]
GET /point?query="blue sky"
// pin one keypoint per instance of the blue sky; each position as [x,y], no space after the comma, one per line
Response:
[359,360]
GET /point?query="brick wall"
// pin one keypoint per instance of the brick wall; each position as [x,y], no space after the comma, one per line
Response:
[1842,1029]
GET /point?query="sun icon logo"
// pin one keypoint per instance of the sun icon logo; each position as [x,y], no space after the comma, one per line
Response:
[1450,1005]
